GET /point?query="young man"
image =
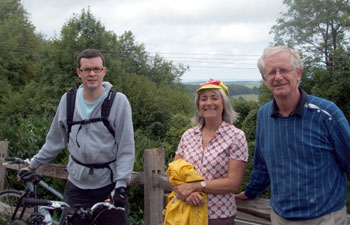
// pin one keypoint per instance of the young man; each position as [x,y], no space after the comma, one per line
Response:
[101,157]
[302,148]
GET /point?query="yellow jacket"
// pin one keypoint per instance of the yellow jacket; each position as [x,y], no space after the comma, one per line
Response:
[178,212]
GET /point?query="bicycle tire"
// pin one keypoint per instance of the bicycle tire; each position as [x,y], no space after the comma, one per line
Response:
[9,199]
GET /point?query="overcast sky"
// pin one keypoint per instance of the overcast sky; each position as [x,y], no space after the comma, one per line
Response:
[221,39]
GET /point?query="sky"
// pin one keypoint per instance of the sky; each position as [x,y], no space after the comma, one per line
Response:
[219,39]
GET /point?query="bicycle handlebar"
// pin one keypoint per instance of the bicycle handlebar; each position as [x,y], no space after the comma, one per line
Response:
[52,205]
[35,202]
[16,160]
[106,205]
[10,159]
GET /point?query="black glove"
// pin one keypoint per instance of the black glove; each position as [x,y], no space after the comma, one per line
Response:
[119,198]
[24,171]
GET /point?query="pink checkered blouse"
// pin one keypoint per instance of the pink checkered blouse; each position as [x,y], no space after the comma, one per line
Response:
[228,142]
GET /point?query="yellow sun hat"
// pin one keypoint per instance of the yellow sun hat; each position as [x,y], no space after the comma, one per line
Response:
[213,84]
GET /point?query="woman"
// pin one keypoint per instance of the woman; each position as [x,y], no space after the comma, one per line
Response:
[217,150]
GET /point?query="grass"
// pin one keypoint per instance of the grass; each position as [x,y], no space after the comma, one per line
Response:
[247,97]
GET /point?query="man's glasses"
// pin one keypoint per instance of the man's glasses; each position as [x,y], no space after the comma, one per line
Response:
[88,70]
[281,71]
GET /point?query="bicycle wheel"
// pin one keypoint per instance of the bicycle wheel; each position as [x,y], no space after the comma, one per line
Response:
[18,222]
[8,202]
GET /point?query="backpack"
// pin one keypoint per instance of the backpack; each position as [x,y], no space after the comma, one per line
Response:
[105,110]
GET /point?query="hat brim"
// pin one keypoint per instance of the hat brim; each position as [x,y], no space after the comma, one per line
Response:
[208,86]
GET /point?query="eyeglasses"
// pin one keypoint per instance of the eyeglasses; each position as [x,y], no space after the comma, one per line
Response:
[281,71]
[88,70]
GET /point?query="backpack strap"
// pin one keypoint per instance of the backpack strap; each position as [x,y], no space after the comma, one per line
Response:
[71,95]
[93,166]
[106,109]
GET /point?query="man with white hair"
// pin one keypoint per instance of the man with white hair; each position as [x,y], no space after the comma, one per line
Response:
[302,148]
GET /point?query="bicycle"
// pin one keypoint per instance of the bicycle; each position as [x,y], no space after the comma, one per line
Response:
[26,208]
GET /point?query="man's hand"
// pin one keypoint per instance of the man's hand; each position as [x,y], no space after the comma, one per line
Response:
[119,198]
[241,196]
[24,171]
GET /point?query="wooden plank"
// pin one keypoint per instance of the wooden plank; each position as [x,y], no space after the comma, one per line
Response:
[8,210]
[3,154]
[137,178]
[5,209]
[153,199]
[49,170]
[162,181]
[257,207]
[59,171]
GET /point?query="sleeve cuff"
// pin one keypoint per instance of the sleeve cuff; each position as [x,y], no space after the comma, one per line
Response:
[250,194]
[120,184]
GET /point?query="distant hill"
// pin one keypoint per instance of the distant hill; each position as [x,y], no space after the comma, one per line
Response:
[235,88]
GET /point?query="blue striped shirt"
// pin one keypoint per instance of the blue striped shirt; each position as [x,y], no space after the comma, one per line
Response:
[304,159]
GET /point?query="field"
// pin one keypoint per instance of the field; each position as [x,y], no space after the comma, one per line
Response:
[248,84]
[247,97]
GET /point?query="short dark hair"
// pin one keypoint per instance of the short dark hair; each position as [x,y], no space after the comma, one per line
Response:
[90,53]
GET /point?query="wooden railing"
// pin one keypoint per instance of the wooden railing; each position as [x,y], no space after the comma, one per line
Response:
[156,187]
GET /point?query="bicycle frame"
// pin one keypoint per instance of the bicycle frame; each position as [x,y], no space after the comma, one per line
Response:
[30,198]
[31,190]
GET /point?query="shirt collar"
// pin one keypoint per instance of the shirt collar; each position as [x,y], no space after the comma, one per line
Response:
[198,129]
[298,110]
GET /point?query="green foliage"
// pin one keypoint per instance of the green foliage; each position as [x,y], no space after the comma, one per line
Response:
[318,27]
[243,108]
[249,124]
[334,86]
[152,106]
[331,84]
[5,91]
[18,44]
[28,101]
[265,94]
[178,124]
[25,135]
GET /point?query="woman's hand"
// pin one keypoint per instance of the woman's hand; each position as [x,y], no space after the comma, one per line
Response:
[195,199]
[182,191]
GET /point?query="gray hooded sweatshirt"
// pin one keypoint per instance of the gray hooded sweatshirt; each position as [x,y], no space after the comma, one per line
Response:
[93,143]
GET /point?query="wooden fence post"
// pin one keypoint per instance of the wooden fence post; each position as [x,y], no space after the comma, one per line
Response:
[3,154]
[154,160]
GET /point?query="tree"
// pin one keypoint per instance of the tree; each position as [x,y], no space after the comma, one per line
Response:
[318,27]
[243,108]
[18,44]
[78,33]
[153,106]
